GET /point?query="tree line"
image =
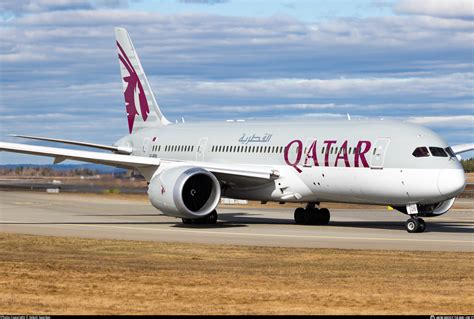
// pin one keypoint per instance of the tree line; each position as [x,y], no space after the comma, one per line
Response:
[468,165]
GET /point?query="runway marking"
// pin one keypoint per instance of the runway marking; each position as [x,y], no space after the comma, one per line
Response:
[267,235]
[454,219]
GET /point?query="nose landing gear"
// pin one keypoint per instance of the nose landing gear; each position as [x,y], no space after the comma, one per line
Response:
[312,215]
[415,225]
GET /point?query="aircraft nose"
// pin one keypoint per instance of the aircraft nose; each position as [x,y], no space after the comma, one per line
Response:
[451,182]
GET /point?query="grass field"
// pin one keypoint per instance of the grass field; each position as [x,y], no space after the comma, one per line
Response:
[54,275]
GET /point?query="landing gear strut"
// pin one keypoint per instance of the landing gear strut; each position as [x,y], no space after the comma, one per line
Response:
[210,219]
[312,215]
[415,225]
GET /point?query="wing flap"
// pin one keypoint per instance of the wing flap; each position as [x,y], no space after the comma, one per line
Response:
[263,173]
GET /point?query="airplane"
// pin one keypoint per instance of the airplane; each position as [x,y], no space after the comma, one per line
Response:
[189,166]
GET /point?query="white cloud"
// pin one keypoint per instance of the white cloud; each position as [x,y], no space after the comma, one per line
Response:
[211,2]
[32,6]
[462,9]
[35,117]
[208,66]
[457,120]
[451,85]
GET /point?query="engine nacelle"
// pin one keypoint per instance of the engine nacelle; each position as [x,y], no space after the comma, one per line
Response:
[185,192]
[432,210]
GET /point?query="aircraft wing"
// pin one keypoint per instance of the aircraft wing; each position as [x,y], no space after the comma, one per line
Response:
[61,154]
[146,165]
[462,148]
[115,149]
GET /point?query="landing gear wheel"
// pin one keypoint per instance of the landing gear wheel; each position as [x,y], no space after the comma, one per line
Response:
[300,216]
[415,225]
[422,225]
[412,225]
[212,218]
[325,216]
[312,217]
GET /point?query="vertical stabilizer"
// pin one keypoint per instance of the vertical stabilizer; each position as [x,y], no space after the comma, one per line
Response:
[140,104]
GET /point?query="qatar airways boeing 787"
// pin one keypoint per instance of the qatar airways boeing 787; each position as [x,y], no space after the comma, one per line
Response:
[190,166]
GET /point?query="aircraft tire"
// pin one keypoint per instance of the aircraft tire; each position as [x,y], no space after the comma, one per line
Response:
[415,225]
[312,217]
[300,216]
[187,221]
[422,225]
[212,218]
[325,216]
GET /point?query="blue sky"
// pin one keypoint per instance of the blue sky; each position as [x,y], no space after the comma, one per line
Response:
[409,60]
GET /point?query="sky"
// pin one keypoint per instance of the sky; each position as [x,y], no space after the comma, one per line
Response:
[406,60]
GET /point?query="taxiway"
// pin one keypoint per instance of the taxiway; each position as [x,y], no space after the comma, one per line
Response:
[97,216]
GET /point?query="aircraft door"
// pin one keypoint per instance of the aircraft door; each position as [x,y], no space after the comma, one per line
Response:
[146,146]
[200,149]
[378,154]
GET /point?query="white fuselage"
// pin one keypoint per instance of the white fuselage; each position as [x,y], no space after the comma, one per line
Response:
[340,161]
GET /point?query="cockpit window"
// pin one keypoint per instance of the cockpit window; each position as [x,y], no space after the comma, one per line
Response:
[450,152]
[438,152]
[421,152]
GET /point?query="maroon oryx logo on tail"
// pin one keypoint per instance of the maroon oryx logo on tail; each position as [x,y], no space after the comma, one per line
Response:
[133,83]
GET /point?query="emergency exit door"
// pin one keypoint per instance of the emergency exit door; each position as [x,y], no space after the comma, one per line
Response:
[378,153]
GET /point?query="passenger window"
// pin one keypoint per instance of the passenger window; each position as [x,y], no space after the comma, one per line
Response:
[421,152]
[438,152]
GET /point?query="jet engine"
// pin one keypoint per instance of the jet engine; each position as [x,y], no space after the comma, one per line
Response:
[185,192]
[430,210]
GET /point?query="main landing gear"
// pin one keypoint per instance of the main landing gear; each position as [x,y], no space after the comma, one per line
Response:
[311,215]
[210,219]
[415,225]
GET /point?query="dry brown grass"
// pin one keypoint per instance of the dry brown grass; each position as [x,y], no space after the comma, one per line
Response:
[470,177]
[53,275]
